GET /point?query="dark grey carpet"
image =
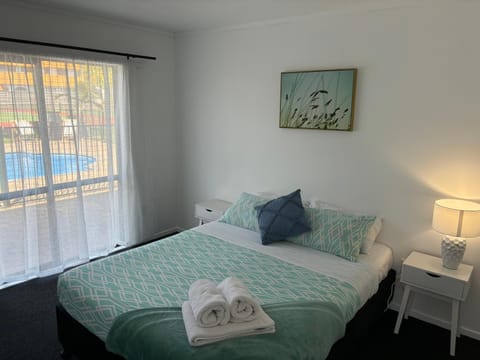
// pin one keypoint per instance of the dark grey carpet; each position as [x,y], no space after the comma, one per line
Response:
[417,340]
[28,330]
[27,321]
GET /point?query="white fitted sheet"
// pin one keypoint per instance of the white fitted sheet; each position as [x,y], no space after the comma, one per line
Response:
[364,275]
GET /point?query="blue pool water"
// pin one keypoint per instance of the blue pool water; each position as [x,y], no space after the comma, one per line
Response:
[28,165]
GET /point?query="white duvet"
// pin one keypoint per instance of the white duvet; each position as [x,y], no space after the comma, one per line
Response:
[364,275]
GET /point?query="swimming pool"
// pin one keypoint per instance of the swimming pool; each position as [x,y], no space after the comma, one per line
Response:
[29,165]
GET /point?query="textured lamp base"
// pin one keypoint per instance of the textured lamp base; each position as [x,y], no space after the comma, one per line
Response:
[452,252]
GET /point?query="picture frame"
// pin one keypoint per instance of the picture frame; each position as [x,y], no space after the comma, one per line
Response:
[318,99]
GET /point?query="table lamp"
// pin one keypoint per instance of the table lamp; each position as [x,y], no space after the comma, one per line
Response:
[457,220]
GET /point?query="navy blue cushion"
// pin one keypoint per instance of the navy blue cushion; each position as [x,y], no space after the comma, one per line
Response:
[281,218]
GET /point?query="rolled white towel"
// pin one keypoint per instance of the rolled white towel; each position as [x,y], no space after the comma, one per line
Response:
[209,306]
[198,336]
[243,306]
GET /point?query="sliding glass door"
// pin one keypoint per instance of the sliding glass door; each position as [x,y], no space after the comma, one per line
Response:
[66,185]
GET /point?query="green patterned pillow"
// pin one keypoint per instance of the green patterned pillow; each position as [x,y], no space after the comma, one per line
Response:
[242,213]
[335,232]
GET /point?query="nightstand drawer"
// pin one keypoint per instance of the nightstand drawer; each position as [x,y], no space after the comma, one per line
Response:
[439,284]
[206,213]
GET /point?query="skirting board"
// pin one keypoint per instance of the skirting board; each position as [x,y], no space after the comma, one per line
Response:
[420,315]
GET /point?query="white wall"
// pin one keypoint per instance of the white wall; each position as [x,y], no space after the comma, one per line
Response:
[153,127]
[417,121]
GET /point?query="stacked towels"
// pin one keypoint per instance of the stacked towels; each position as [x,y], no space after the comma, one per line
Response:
[243,307]
[214,313]
[208,304]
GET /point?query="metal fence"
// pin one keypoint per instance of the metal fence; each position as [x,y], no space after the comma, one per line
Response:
[70,157]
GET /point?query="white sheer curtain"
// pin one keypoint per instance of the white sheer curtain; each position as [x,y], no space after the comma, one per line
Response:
[67,191]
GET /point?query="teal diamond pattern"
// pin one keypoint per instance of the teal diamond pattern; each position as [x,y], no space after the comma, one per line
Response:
[159,275]
[242,213]
[335,232]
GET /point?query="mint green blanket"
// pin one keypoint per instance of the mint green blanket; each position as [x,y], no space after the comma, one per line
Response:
[304,330]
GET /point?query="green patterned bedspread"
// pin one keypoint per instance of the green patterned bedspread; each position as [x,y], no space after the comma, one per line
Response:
[160,273]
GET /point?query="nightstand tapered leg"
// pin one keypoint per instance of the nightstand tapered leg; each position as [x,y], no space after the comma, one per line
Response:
[403,305]
[459,317]
[454,326]
[409,304]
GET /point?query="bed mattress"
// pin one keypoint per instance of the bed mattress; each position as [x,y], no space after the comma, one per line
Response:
[159,275]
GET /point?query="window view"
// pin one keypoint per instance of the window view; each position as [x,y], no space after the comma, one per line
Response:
[61,194]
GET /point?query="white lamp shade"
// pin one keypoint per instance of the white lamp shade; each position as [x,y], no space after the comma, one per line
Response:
[455,217]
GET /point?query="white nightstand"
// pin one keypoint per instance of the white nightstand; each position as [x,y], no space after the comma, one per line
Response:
[425,274]
[210,210]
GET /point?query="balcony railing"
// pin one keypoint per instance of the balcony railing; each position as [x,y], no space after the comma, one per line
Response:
[77,156]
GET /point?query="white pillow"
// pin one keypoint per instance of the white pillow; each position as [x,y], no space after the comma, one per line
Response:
[271,195]
[266,194]
[372,232]
[371,235]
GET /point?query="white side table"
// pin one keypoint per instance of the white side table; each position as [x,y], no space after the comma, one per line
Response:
[210,210]
[425,274]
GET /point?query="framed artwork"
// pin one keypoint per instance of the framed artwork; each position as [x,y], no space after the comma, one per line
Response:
[321,99]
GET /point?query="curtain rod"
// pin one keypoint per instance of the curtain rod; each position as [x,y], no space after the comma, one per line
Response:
[77,48]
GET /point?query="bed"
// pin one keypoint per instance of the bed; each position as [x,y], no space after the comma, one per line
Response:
[157,275]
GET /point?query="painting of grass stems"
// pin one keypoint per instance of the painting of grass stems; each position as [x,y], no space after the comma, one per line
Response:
[321,99]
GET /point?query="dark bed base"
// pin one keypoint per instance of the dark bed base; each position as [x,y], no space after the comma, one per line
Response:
[77,340]
[359,328]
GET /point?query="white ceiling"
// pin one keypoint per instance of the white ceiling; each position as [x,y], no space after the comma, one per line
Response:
[190,15]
